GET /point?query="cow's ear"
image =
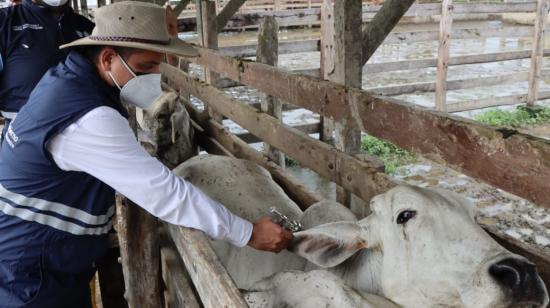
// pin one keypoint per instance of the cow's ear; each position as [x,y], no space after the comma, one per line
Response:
[328,245]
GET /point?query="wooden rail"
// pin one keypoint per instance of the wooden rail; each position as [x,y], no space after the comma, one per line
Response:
[301,17]
[250,17]
[213,283]
[504,158]
[509,160]
[355,175]
[216,139]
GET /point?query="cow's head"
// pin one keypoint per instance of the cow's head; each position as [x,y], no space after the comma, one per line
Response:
[433,252]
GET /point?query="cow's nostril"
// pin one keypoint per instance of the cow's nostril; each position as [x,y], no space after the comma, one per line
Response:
[520,278]
[506,273]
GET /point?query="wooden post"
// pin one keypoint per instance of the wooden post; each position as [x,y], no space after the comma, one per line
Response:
[213,283]
[381,25]
[327,61]
[139,249]
[445,26]
[111,280]
[140,254]
[347,71]
[180,7]
[208,37]
[75,5]
[267,53]
[228,11]
[179,292]
[84,8]
[537,54]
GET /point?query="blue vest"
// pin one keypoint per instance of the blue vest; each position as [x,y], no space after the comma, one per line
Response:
[61,218]
[29,45]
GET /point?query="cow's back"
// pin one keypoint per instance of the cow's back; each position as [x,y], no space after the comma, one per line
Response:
[247,190]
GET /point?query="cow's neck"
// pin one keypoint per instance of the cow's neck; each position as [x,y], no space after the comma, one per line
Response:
[362,271]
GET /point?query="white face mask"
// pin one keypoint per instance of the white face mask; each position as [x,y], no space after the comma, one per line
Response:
[55,2]
[140,91]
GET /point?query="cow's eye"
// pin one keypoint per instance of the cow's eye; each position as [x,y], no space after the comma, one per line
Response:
[404,216]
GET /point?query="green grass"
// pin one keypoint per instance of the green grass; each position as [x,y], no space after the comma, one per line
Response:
[520,117]
[291,162]
[392,155]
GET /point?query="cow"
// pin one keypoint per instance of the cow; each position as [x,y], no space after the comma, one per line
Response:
[418,248]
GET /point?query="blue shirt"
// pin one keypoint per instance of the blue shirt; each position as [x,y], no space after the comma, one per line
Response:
[30,37]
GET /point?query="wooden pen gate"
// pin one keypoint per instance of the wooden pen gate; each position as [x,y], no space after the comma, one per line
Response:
[166,265]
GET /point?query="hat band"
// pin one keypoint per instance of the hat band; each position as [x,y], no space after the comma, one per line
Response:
[127,39]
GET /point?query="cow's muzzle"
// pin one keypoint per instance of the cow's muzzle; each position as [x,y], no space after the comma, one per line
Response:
[521,281]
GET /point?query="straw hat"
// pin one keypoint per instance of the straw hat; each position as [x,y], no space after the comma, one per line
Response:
[134,24]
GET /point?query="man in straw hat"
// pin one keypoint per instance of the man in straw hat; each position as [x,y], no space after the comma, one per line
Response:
[71,147]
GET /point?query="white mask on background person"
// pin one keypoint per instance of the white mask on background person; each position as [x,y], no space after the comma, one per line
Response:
[55,3]
[140,91]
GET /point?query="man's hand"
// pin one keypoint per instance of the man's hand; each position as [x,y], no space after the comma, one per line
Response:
[269,236]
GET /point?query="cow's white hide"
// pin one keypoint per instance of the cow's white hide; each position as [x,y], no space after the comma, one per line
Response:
[248,191]
[313,289]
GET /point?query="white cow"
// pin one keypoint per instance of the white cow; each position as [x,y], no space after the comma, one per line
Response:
[418,248]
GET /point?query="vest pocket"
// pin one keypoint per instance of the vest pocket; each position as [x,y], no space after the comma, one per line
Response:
[23,280]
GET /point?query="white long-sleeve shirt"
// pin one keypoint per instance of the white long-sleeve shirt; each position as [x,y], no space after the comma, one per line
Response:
[102,144]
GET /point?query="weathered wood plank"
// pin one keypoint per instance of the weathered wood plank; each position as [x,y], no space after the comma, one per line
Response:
[228,11]
[493,102]
[453,84]
[456,60]
[327,61]
[249,50]
[538,46]
[312,45]
[301,17]
[445,27]
[412,37]
[446,138]
[139,251]
[208,35]
[176,279]
[268,40]
[213,283]
[510,160]
[111,280]
[181,6]
[84,8]
[353,174]
[312,128]
[347,71]
[432,9]
[374,33]
[139,248]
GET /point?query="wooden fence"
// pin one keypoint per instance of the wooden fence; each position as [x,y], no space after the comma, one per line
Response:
[254,6]
[509,160]
[344,169]
[445,34]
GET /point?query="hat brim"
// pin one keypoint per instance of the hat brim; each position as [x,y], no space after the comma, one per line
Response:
[176,46]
